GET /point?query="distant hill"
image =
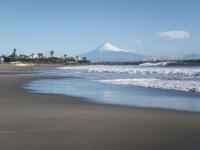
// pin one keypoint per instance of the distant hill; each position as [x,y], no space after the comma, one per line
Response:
[109,52]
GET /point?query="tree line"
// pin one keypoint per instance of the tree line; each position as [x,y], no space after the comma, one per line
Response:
[41,58]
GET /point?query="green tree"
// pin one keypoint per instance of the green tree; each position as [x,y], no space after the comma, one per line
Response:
[40,55]
[32,55]
[65,56]
[14,52]
[51,53]
[13,55]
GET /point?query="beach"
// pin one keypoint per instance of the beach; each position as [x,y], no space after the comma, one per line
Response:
[30,121]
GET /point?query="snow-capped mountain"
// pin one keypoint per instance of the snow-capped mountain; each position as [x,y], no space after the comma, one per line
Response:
[109,47]
[109,52]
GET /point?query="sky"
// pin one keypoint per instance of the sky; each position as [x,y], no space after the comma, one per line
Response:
[73,27]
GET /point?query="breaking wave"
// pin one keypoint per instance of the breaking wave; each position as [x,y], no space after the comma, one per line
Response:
[189,86]
[160,64]
[144,75]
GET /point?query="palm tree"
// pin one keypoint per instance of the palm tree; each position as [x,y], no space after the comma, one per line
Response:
[51,53]
[13,56]
[40,55]
[14,52]
[32,55]
[65,56]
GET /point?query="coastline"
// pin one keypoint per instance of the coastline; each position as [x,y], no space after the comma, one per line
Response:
[47,121]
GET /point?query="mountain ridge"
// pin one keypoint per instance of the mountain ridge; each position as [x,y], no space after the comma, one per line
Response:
[109,52]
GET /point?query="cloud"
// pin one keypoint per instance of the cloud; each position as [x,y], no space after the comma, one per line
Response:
[175,34]
[138,41]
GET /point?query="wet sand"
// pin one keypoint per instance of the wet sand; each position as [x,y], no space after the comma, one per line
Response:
[13,67]
[31,121]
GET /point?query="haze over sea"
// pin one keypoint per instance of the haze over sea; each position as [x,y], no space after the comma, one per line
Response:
[162,85]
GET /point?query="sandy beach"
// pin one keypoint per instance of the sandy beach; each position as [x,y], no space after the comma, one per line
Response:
[31,121]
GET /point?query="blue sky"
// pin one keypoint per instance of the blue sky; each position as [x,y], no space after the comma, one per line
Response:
[160,27]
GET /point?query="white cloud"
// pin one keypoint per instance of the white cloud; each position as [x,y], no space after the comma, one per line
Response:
[175,34]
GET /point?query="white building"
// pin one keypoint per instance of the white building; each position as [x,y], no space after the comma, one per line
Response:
[1,60]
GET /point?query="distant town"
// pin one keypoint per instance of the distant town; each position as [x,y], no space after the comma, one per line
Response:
[40,58]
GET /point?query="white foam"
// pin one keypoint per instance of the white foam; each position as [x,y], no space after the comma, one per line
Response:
[178,85]
[170,72]
[160,64]
[174,78]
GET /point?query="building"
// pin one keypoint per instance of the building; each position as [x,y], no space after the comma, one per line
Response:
[1,60]
[77,58]
[23,57]
[77,61]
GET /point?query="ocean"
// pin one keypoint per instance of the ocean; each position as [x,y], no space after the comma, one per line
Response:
[161,85]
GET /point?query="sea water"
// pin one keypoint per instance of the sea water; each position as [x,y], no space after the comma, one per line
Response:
[147,85]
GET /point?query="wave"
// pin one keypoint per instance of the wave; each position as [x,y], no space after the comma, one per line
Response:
[160,64]
[132,71]
[178,85]
[173,78]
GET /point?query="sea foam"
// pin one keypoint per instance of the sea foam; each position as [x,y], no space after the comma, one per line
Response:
[156,76]
[192,86]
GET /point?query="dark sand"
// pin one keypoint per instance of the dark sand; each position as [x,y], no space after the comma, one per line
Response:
[30,121]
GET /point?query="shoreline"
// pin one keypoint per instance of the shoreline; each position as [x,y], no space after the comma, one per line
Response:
[99,102]
[49,121]
[89,101]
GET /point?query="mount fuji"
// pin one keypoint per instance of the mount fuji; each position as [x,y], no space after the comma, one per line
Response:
[109,52]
